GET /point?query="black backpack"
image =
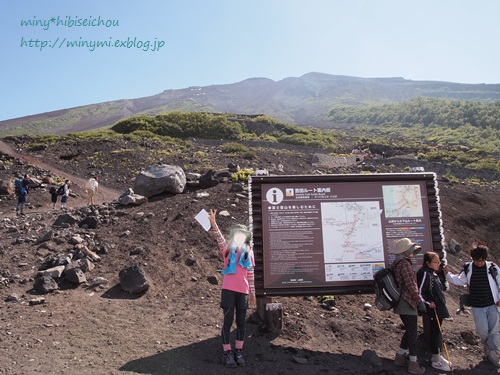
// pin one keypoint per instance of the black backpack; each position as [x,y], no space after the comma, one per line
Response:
[60,190]
[53,190]
[17,185]
[387,293]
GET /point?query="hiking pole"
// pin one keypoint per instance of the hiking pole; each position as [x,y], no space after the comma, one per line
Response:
[444,343]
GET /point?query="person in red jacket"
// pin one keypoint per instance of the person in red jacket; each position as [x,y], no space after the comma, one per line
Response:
[238,289]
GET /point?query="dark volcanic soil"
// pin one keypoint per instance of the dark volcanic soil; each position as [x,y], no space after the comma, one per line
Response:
[174,327]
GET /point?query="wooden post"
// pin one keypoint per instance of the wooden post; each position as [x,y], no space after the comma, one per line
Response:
[261,306]
[274,317]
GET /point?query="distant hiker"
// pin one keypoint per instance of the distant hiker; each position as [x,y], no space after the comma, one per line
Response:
[22,191]
[53,191]
[483,279]
[65,194]
[409,306]
[91,189]
[431,290]
[238,289]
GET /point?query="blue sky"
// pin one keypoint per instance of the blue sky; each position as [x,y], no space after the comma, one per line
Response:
[207,42]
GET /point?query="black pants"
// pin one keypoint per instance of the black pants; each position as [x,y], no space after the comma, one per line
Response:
[435,336]
[410,338]
[230,302]
[228,322]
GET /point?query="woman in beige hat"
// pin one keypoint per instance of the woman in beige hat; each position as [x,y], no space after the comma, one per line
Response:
[409,306]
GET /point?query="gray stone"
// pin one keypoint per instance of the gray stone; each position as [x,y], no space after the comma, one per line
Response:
[37,301]
[45,284]
[160,178]
[213,280]
[133,279]
[46,237]
[12,298]
[99,281]
[300,360]
[86,265]
[193,177]
[75,276]
[89,222]
[130,198]
[454,247]
[136,250]
[54,272]
[76,239]
[209,179]
[65,220]
[370,358]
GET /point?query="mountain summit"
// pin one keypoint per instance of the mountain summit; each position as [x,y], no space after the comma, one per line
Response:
[301,100]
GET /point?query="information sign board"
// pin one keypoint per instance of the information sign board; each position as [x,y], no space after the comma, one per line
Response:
[331,233]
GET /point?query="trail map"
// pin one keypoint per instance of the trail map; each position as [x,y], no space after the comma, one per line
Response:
[352,232]
[402,201]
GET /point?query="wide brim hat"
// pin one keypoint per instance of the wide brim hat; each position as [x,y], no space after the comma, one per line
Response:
[405,245]
[241,228]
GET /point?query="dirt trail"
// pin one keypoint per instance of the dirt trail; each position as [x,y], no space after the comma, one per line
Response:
[104,194]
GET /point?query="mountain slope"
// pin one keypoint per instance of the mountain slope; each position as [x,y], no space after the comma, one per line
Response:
[301,100]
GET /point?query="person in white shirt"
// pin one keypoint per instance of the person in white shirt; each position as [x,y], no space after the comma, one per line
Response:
[91,190]
[64,198]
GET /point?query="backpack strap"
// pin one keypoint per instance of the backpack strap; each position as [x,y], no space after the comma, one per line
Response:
[493,270]
[466,268]
[393,266]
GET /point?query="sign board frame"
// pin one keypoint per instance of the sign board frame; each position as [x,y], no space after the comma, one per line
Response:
[328,234]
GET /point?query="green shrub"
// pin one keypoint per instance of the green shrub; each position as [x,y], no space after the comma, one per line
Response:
[450,177]
[242,175]
[233,147]
[249,155]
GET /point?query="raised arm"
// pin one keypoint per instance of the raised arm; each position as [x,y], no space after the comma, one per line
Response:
[221,241]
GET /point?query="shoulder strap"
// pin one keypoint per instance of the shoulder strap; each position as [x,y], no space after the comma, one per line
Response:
[394,265]
[466,268]
[493,270]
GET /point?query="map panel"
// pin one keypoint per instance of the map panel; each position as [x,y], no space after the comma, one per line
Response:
[352,232]
[402,201]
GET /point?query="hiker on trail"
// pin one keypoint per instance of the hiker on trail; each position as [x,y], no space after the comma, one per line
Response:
[483,279]
[431,290]
[66,190]
[91,189]
[21,191]
[53,196]
[410,305]
[238,289]
[54,192]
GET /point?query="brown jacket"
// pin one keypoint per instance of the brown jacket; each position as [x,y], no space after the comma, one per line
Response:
[407,281]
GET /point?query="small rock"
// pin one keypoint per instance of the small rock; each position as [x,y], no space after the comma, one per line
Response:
[301,361]
[12,298]
[37,301]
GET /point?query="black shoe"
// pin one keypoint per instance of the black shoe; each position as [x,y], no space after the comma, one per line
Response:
[238,358]
[228,359]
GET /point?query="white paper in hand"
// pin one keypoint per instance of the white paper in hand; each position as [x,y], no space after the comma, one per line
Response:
[202,218]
